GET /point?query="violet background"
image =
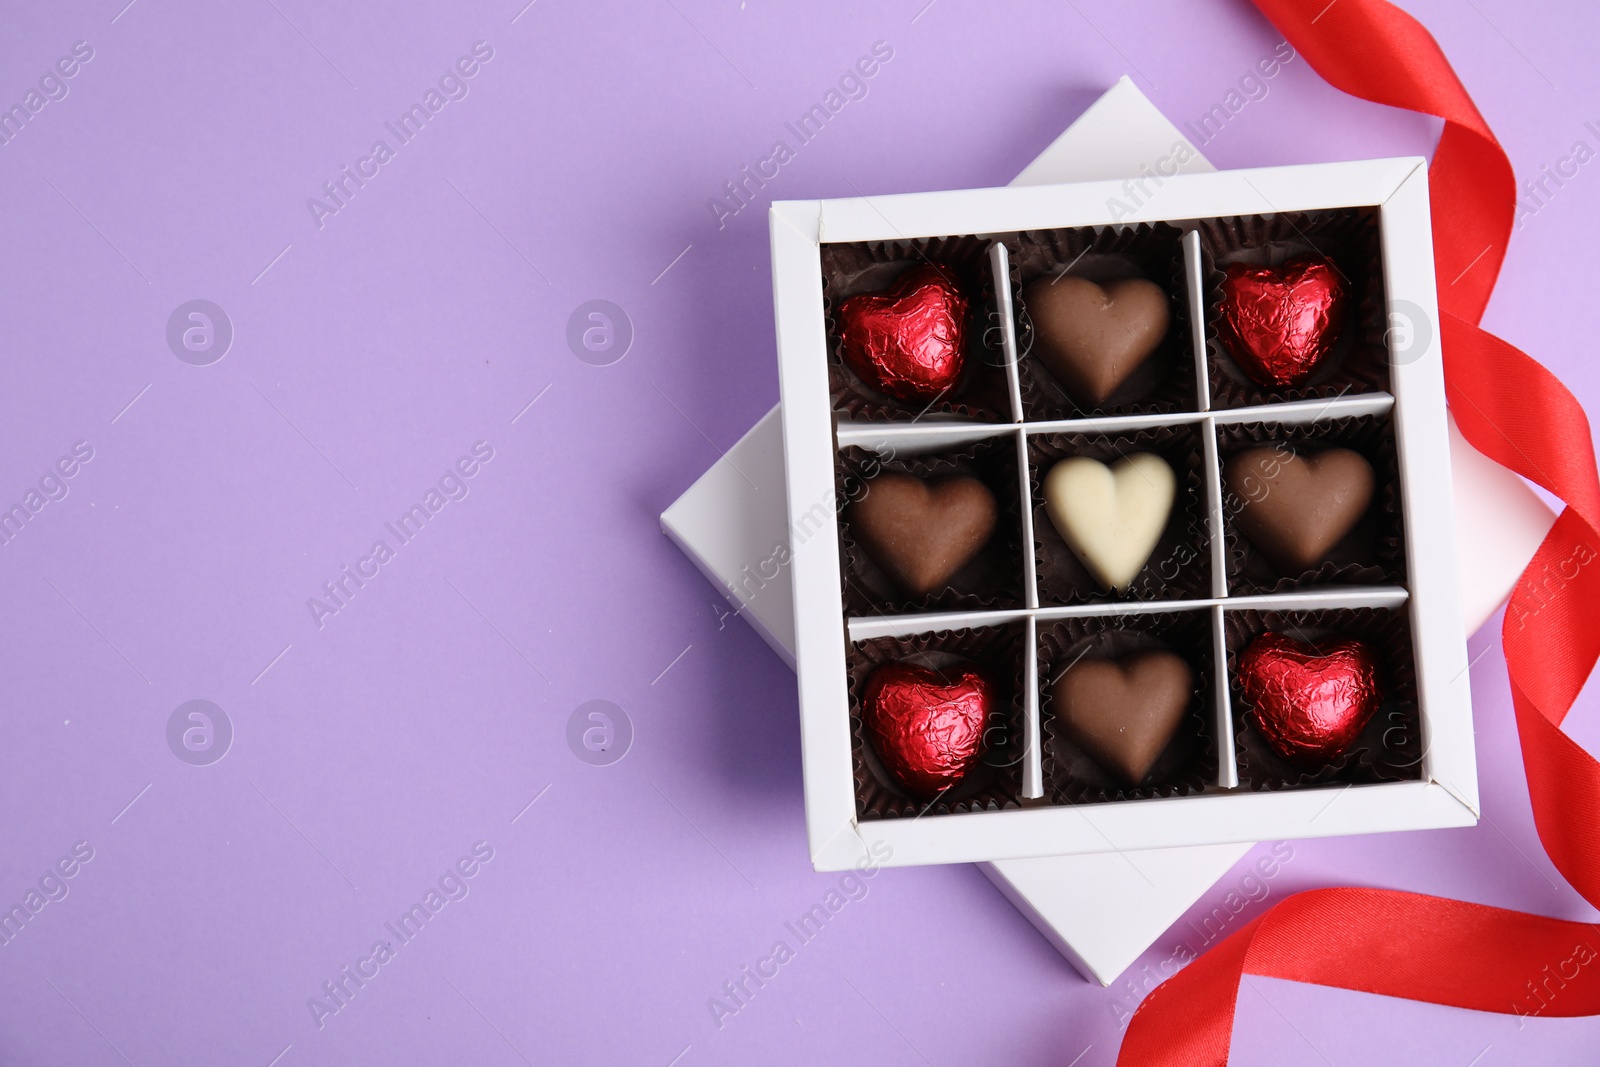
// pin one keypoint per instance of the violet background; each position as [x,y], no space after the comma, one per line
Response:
[424,717]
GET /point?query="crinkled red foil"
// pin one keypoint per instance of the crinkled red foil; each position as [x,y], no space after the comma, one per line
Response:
[1310,701]
[1280,322]
[910,341]
[927,726]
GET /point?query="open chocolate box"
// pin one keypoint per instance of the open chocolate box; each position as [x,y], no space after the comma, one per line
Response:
[1212,601]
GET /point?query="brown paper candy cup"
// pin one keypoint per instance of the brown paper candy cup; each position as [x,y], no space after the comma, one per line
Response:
[995,782]
[1188,765]
[1389,749]
[1166,382]
[991,580]
[1348,238]
[982,394]
[1373,553]
[1180,566]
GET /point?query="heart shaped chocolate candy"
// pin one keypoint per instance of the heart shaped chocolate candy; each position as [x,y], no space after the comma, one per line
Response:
[920,532]
[1111,517]
[1124,712]
[909,341]
[927,726]
[1296,507]
[1093,337]
[1310,701]
[1279,323]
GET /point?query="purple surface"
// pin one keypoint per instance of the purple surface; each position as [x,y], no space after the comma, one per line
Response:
[372,752]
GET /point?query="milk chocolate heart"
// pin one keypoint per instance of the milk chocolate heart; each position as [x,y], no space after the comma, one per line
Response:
[1296,507]
[920,532]
[910,341]
[927,726]
[1124,712]
[1279,323]
[1093,337]
[1310,701]
[1111,517]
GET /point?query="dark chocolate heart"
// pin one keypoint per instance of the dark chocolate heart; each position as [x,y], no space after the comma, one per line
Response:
[1296,508]
[927,726]
[920,532]
[1094,337]
[1124,712]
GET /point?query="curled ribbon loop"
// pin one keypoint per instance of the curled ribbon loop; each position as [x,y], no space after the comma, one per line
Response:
[1517,413]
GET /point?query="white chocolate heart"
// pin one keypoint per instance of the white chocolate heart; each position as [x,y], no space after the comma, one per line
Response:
[1111,517]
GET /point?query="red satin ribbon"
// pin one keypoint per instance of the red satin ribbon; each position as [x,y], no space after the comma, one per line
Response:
[1517,413]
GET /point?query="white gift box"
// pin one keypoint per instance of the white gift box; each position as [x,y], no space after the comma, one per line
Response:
[1102,911]
[841,833]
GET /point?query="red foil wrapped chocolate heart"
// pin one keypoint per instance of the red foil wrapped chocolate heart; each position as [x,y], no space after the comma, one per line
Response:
[927,726]
[1279,323]
[1310,701]
[910,341]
